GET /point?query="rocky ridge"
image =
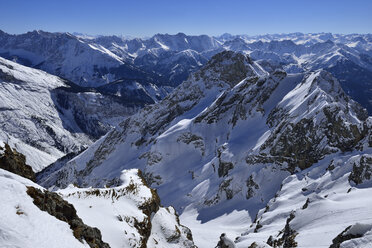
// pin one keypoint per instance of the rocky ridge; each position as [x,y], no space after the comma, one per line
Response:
[223,136]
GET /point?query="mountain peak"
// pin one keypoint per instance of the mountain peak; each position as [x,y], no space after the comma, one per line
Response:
[181,34]
[230,67]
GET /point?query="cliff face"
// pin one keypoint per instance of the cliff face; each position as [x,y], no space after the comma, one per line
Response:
[15,162]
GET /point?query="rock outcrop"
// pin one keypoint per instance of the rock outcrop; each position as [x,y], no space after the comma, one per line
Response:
[15,162]
[55,205]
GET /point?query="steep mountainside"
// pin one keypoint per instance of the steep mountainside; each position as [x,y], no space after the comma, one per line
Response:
[68,56]
[225,146]
[46,117]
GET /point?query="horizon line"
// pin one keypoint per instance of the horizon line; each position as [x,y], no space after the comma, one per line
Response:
[77,33]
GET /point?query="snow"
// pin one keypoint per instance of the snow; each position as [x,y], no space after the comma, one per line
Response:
[115,212]
[359,229]
[332,206]
[22,224]
[207,234]
[112,210]
[36,158]
[207,147]
[181,125]
[262,140]
[26,103]
[165,226]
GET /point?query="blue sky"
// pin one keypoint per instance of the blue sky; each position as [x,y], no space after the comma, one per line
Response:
[213,17]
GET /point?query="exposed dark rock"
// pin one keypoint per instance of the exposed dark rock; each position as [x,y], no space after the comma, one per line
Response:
[331,166]
[148,208]
[270,241]
[339,134]
[225,187]
[251,185]
[336,242]
[144,229]
[306,203]
[298,142]
[362,171]
[54,204]
[287,240]
[15,162]
[41,124]
[253,245]
[224,167]
[258,226]
[232,72]
[225,242]
[194,139]
[152,157]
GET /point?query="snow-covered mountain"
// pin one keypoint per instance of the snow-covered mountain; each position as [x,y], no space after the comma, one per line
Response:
[234,148]
[174,57]
[261,142]
[352,66]
[353,40]
[65,55]
[168,60]
[46,117]
[126,216]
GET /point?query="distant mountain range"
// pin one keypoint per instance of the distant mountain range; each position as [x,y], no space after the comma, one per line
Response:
[164,61]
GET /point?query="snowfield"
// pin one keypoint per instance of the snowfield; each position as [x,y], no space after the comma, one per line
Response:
[240,152]
[22,224]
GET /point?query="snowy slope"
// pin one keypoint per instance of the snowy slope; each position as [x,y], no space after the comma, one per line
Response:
[23,224]
[189,99]
[46,117]
[129,215]
[220,147]
[350,64]
[30,120]
[324,202]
